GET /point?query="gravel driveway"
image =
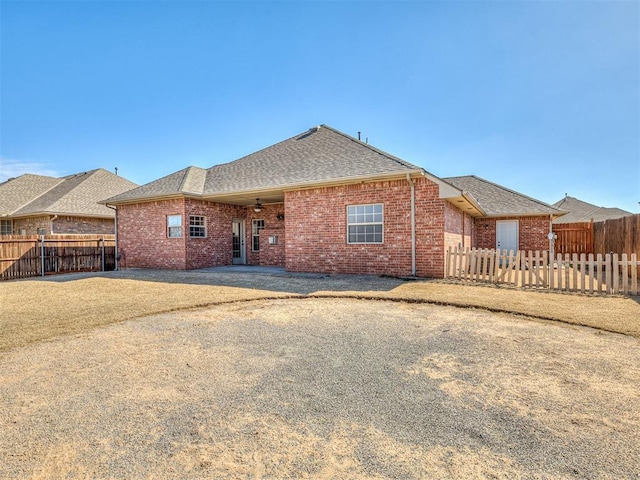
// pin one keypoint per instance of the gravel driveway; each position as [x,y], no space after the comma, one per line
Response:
[323,388]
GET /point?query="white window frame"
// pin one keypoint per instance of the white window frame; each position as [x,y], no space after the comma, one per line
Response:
[365,223]
[255,232]
[203,225]
[3,227]
[173,226]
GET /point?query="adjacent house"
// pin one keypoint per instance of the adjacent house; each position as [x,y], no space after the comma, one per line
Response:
[321,201]
[42,205]
[581,211]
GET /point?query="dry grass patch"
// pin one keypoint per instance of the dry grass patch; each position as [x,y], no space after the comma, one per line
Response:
[613,314]
[36,310]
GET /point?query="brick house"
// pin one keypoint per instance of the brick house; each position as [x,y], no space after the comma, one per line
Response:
[321,201]
[42,205]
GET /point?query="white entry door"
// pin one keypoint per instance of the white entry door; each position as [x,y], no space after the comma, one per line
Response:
[238,242]
[507,235]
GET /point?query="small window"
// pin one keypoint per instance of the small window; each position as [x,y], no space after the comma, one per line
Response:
[42,231]
[256,226]
[364,223]
[197,226]
[174,226]
[6,227]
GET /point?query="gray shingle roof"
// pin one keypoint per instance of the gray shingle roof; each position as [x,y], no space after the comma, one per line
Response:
[497,200]
[319,155]
[580,211]
[76,194]
[17,192]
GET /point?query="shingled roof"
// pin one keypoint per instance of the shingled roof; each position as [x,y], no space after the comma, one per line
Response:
[580,211]
[497,200]
[76,195]
[321,154]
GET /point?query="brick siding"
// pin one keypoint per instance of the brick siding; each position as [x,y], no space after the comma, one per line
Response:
[268,254]
[316,229]
[217,247]
[65,225]
[142,235]
[143,241]
[313,235]
[532,232]
[84,225]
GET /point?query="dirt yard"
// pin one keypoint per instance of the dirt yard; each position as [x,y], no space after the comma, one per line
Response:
[155,374]
[322,388]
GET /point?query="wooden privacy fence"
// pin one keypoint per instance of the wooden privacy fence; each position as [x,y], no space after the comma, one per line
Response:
[32,256]
[574,238]
[610,273]
[620,235]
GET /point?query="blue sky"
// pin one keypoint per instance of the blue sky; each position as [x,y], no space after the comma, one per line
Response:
[541,97]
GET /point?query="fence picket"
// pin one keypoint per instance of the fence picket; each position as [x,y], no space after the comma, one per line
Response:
[598,273]
[634,274]
[609,274]
[625,273]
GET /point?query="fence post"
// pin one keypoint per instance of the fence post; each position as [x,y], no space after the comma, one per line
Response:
[42,254]
[103,253]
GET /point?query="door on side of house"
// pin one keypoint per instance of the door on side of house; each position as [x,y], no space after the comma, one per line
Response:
[237,229]
[507,235]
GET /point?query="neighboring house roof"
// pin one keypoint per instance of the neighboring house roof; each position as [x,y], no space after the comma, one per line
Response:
[321,154]
[580,211]
[498,201]
[76,195]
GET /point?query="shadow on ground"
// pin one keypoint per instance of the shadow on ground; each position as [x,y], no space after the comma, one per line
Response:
[272,279]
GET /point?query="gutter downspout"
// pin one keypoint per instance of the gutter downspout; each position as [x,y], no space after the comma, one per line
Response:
[115,209]
[51,222]
[413,225]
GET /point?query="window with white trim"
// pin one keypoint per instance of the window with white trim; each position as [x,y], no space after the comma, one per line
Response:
[197,226]
[174,226]
[256,226]
[365,223]
[6,227]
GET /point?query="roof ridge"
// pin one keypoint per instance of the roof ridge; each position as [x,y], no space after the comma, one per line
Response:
[188,178]
[371,147]
[512,191]
[187,170]
[256,152]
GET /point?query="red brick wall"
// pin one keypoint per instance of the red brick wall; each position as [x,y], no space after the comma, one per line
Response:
[532,232]
[31,225]
[84,225]
[144,243]
[430,227]
[316,229]
[65,225]
[268,254]
[142,235]
[458,227]
[216,248]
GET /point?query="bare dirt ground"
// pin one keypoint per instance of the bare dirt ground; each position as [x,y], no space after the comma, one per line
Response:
[41,309]
[323,388]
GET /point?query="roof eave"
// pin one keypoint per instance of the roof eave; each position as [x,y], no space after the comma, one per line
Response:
[554,215]
[150,198]
[49,214]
